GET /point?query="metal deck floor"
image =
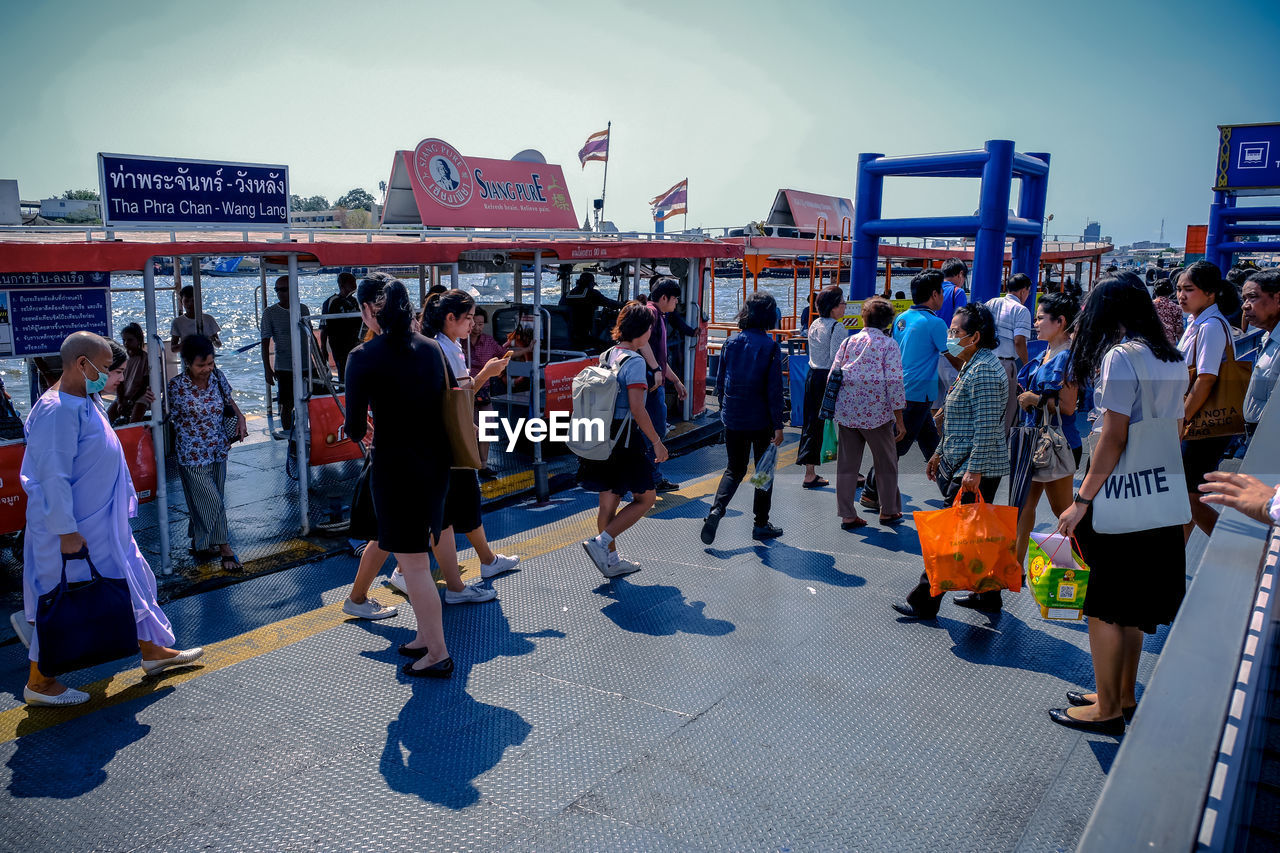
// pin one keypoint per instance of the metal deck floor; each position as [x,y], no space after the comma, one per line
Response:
[746,696]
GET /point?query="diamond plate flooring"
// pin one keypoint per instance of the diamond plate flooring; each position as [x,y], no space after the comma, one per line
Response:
[743,696]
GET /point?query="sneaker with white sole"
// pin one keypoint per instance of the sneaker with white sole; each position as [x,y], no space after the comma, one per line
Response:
[21,627]
[622,567]
[474,594]
[396,582]
[70,696]
[599,555]
[501,565]
[370,609]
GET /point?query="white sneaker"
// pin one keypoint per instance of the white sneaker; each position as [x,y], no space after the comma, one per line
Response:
[473,594]
[620,568]
[70,696]
[180,659]
[370,609]
[599,555]
[501,565]
[396,582]
[21,627]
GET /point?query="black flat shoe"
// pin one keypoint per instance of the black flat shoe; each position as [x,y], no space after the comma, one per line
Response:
[443,669]
[762,532]
[1112,728]
[910,612]
[411,652]
[1075,697]
[709,528]
[973,601]
[665,485]
[817,483]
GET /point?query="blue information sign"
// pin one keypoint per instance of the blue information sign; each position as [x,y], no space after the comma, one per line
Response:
[41,319]
[20,280]
[1248,158]
[165,192]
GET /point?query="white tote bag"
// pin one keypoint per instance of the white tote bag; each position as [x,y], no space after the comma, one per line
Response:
[1147,489]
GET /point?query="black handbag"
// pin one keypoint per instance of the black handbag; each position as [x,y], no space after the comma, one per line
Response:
[230,421]
[86,623]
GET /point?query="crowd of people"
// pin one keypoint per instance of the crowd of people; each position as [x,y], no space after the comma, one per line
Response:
[956,386]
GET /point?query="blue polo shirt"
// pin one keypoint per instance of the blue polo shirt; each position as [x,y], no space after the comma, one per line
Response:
[922,337]
[952,298]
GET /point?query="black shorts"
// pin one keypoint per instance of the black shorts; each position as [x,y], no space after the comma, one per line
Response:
[1200,456]
[462,504]
[626,470]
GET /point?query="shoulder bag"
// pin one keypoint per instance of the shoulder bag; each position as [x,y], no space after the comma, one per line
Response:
[458,409]
[230,421]
[1223,413]
[1147,489]
[86,623]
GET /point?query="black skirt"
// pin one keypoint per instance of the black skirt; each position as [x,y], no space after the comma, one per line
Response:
[626,470]
[1136,580]
[462,506]
[1200,456]
[408,505]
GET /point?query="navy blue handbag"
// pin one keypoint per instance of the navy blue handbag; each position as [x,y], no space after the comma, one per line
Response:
[86,623]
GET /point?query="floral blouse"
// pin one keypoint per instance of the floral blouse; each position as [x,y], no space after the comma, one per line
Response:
[197,419]
[871,387]
[1171,317]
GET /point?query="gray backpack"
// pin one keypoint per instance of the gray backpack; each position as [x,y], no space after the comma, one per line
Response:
[595,394]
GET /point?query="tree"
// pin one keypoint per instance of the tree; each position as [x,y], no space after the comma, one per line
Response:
[81,195]
[356,198]
[358,218]
[315,202]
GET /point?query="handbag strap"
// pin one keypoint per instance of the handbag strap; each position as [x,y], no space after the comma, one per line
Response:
[82,554]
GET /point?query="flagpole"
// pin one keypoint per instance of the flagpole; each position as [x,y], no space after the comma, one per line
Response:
[608,136]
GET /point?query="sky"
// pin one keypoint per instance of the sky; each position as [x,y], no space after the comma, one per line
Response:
[742,98]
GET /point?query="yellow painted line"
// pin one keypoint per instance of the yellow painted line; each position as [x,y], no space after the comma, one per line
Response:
[126,686]
[507,485]
[293,550]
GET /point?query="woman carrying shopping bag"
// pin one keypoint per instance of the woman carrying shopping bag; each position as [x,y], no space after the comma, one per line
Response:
[1049,406]
[825,336]
[1129,528]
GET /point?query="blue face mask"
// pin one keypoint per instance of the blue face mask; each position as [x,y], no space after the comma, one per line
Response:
[95,386]
[955,347]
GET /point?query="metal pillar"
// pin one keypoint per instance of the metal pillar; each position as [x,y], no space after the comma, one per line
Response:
[422,285]
[197,294]
[155,356]
[1027,250]
[517,281]
[869,196]
[693,317]
[993,220]
[453,276]
[541,487]
[300,424]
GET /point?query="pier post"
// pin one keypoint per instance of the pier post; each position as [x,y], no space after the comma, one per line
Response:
[868,197]
[541,486]
[300,373]
[993,220]
[155,356]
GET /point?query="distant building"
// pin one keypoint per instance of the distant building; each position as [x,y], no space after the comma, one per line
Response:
[60,208]
[1092,232]
[10,209]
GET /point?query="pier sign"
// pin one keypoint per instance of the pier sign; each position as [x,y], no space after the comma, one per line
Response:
[38,310]
[166,192]
[437,186]
[1248,158]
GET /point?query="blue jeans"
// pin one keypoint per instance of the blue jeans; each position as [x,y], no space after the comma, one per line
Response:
[655,403]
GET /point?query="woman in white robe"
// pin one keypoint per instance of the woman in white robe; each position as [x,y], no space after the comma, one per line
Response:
[80,494]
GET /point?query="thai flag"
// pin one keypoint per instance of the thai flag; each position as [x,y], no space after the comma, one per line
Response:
[597,148]
[671,202]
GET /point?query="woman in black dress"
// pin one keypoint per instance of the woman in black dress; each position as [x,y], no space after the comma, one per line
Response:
[401,376]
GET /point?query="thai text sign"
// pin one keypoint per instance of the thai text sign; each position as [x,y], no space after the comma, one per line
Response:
[559,382]
[1248,157]
[453,191]
[39,310]
[162,191]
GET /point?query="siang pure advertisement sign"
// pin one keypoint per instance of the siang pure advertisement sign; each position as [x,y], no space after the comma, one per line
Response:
[450,190]
[803,210]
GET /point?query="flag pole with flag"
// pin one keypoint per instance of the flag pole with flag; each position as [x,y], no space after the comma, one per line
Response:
[671,202]
[597,148]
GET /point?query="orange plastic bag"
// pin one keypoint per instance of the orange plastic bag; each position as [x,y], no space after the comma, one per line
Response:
[970,547]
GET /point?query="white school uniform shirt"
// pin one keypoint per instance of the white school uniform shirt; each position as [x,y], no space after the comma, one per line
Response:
[1118,391]
[1012,320]
[1204,343]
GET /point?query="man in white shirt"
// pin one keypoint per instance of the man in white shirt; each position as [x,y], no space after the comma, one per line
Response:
[185,324]
[1262,309]
[1013,329]
[275,327]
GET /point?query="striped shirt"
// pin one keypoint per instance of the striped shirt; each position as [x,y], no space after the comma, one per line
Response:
[973,437]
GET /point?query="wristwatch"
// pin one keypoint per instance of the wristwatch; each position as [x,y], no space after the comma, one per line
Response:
[1081,499]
